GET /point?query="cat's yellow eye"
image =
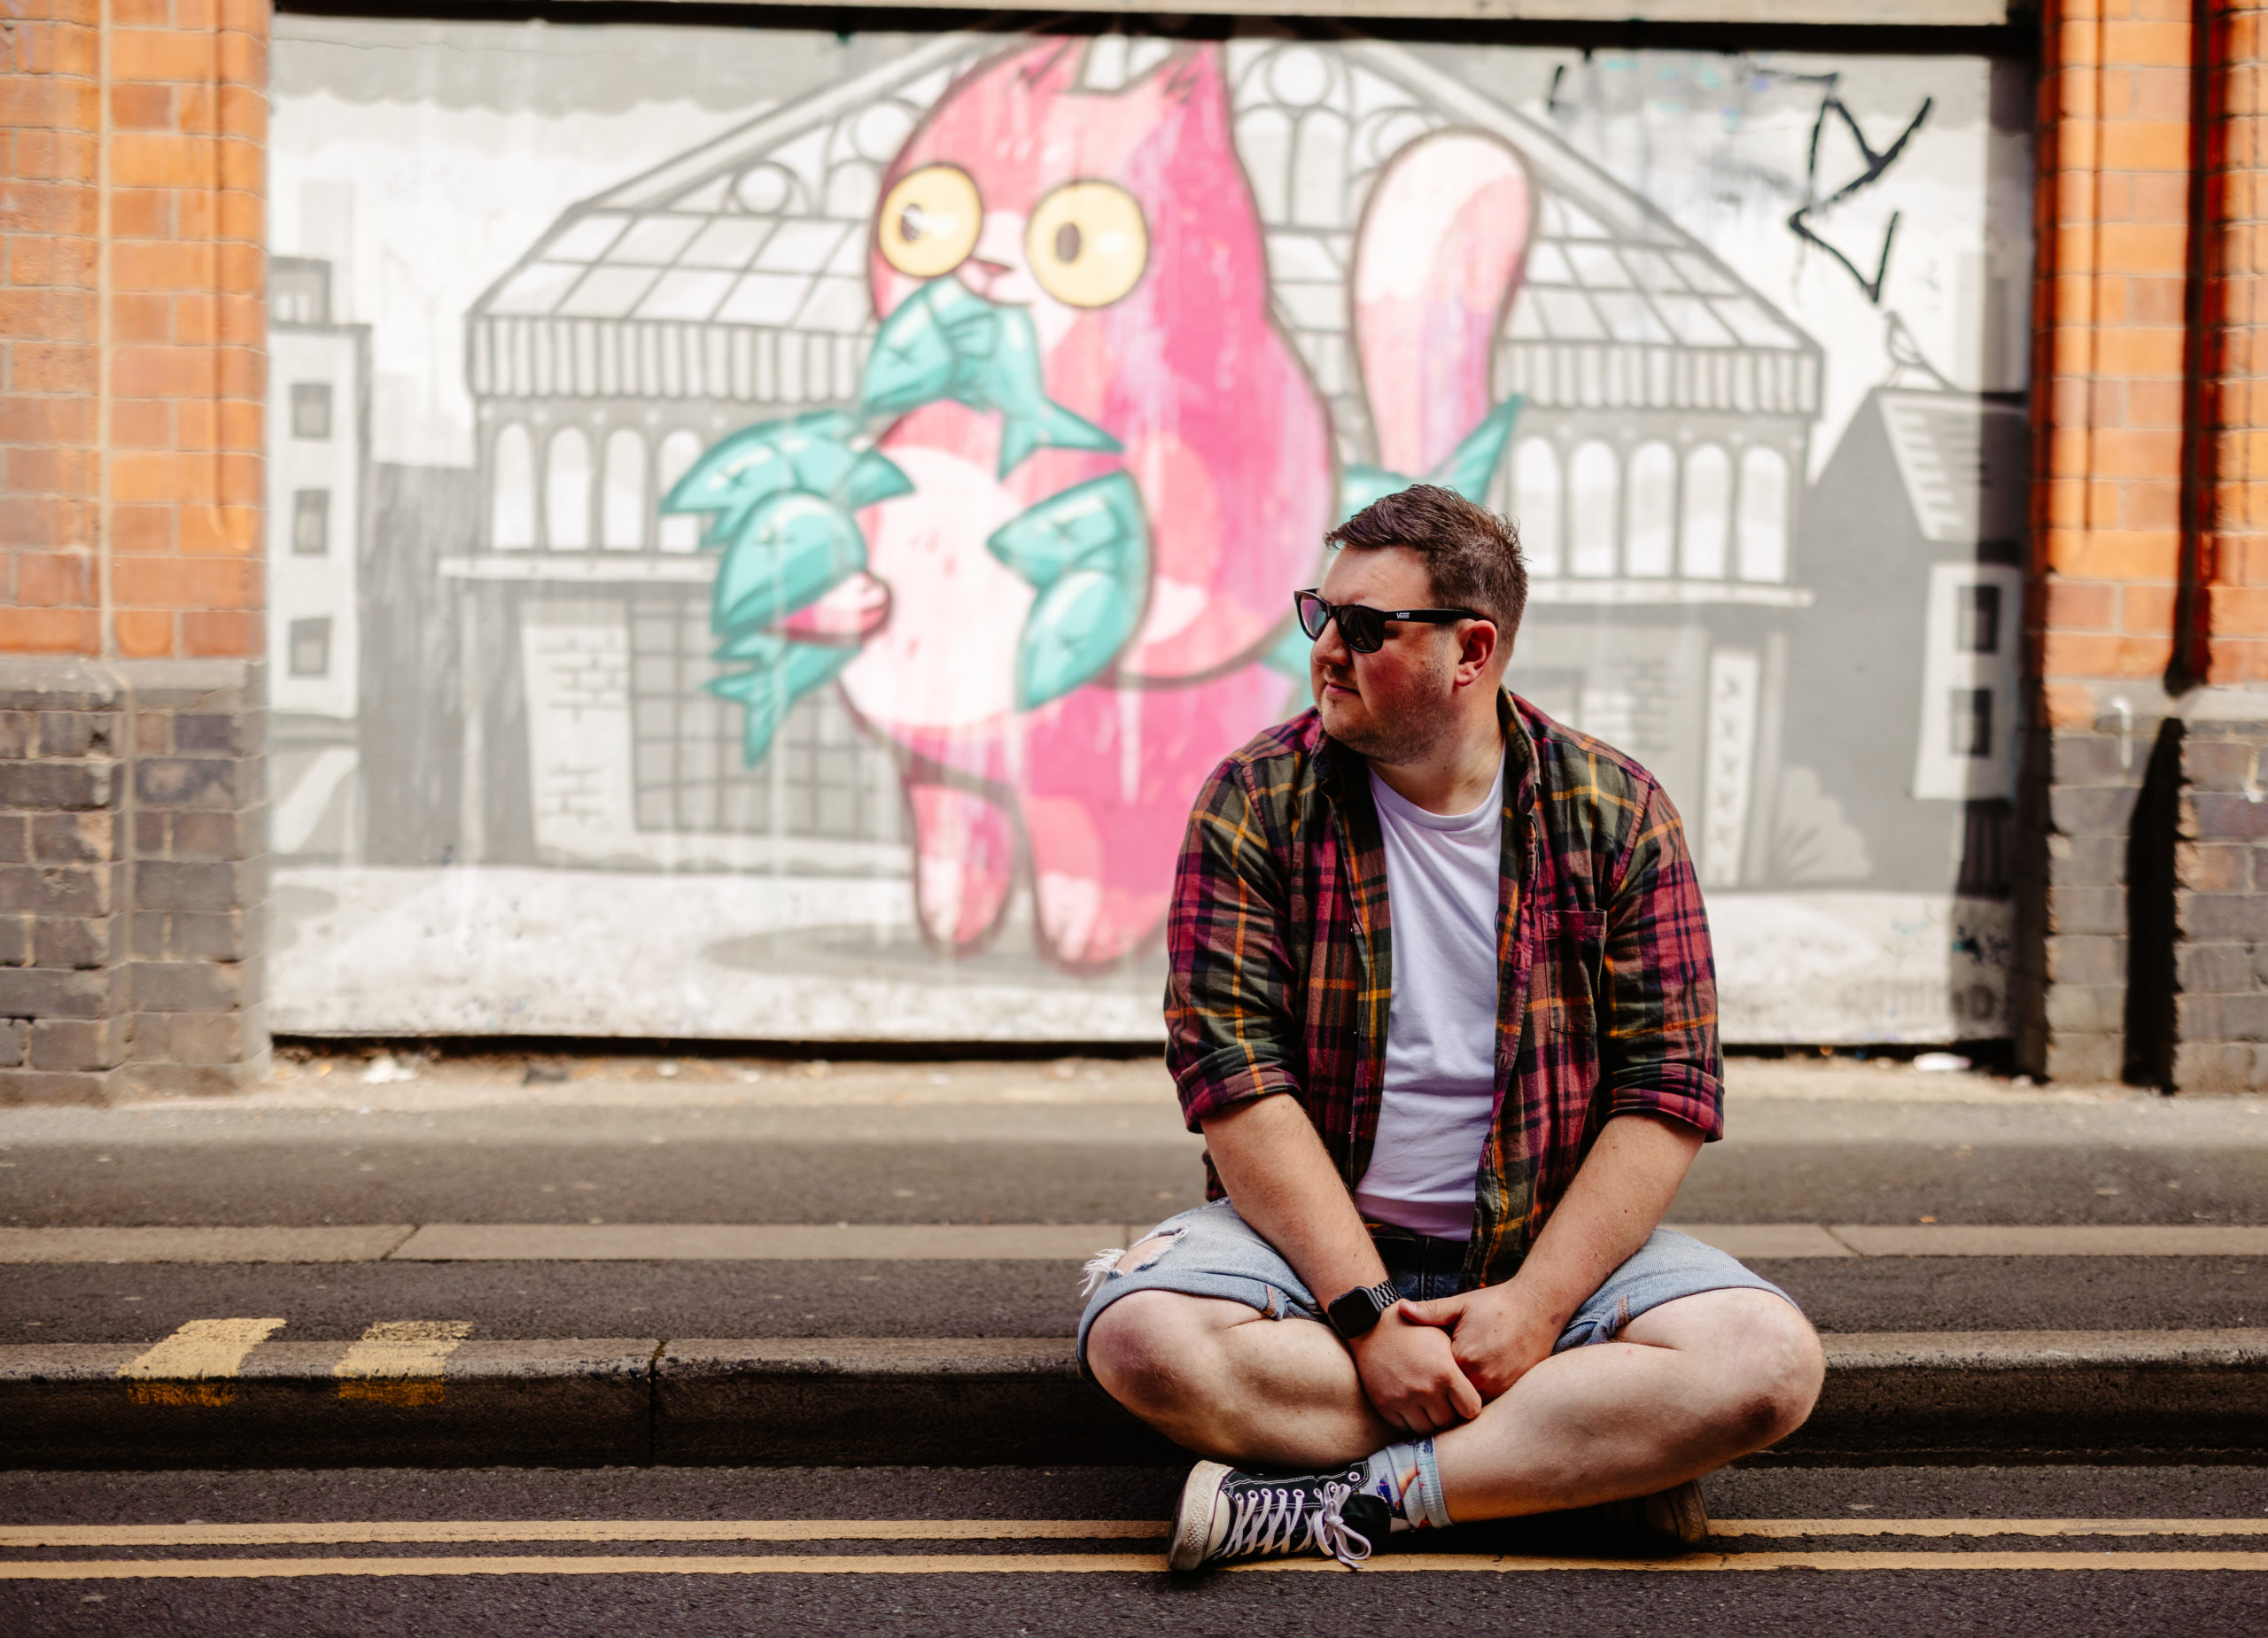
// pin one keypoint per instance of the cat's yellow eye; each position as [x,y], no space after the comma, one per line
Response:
[929,221]
[1087,243]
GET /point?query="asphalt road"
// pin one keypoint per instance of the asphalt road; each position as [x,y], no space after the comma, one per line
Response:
[131,1302]
[1121,1156]
[2052,1603]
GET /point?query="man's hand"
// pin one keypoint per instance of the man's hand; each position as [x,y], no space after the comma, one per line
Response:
[1497,1334]
[1411,1377]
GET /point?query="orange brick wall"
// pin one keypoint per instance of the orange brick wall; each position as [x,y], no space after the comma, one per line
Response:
[2111,345]
[2230,641]
[132,326]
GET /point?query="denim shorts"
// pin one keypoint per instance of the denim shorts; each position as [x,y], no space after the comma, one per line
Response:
[1212,1252]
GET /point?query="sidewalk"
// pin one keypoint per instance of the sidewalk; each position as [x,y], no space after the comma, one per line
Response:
[880,1262]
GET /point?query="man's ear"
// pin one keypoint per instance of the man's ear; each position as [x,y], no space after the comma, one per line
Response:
[1476,649]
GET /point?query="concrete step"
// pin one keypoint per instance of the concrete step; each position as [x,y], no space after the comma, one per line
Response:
[224,1395]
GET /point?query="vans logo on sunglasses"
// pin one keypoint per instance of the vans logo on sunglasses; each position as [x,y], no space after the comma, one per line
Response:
[1364,627]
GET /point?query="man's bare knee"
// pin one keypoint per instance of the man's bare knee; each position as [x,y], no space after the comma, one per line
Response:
[1764,1363]
[1779,1374]
[1151,1350]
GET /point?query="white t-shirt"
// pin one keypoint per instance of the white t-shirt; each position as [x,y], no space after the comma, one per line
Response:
[1441,877]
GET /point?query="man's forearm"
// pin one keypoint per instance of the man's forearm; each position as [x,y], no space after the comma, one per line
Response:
[1281,1181]
[1616,1201]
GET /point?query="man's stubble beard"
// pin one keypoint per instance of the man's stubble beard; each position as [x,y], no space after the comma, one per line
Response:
[1408,737]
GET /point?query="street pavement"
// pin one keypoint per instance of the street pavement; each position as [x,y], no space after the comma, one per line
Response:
[1906,1550]
[1821,1155]
[1082,1141]
[125,1303]
[1077,1141]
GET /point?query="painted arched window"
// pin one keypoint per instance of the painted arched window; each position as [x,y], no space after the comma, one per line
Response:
[1707,525]
[567,491]
[680,532]
[622,504]
[511,515]
[1594,521]
[1763,514]
[1648,547]
[1536,504]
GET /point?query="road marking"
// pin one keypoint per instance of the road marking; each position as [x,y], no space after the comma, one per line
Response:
[1023,1242]
[1748,1241]
[1789,1527]
[462,1530]
[398,1361]
[583,1530]
[2237,1347]
[363,1243]
[2079,1240]
[195,1364]
[1088,1564]
[495,1242]
[595,1530]
[1470,1561]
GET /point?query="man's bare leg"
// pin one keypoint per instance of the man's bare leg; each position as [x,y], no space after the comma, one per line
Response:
[1691,1386]
[1688,1386]
[1223,1379]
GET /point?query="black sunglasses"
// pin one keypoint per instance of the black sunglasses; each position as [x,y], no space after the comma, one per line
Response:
[1364,627]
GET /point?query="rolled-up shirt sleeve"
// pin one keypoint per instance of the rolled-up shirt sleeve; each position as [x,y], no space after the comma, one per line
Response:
[1230,1036]
[1658,1044]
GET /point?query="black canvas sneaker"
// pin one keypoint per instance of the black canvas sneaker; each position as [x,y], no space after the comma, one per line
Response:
[1676,1516]
[1227,1514]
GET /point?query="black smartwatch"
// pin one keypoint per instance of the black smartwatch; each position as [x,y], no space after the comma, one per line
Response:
[1358,1310]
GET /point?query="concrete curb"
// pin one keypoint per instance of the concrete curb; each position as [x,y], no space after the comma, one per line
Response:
[1010,1242]
[1977,1394]
[1954,1397]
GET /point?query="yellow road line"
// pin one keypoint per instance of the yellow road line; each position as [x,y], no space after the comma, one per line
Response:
[582,1529]
[1800,1561]
[1786,1527]
[398,1361]
[203,1347]
[443,1531]
[1080,1563]
[195,1365]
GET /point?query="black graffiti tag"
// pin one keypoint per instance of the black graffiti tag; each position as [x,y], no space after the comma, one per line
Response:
[1876,164]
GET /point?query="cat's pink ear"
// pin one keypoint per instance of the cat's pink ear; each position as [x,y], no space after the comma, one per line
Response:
[1052,66]
[1436,265]
[1190,73]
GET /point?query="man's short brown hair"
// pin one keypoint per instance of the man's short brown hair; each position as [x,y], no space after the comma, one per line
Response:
[1471,555]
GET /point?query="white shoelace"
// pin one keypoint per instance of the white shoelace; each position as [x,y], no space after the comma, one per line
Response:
[1264,1522]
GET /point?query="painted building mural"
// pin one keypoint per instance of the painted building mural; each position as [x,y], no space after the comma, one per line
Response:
[793,518]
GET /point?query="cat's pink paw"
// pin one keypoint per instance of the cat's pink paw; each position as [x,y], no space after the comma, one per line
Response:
[964,864]
[1085,922]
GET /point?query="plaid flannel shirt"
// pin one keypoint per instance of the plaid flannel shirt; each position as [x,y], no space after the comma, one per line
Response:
[1282,954]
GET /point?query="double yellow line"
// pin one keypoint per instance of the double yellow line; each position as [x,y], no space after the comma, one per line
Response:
[467,1532]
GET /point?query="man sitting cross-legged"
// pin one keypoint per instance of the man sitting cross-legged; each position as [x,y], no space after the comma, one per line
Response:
[1442,1003]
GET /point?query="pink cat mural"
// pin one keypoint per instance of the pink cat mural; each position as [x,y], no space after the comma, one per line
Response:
[1111,469]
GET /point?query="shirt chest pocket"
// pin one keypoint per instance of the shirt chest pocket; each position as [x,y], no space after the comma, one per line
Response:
[1564,972]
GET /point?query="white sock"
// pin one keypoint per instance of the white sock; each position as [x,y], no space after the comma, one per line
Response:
[1407,1479]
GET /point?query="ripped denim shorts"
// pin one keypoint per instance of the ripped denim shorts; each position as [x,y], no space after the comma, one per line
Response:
[1212,1252]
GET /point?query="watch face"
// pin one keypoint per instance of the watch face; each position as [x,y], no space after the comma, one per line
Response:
[1357,1311]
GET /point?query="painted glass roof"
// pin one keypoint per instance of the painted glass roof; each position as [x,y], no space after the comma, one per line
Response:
[765,229]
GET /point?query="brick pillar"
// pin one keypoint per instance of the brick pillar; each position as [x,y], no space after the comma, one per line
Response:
[2219,887]
[2112,357]
[132,329]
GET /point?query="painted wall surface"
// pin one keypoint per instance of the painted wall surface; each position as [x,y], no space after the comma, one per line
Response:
[771,529]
